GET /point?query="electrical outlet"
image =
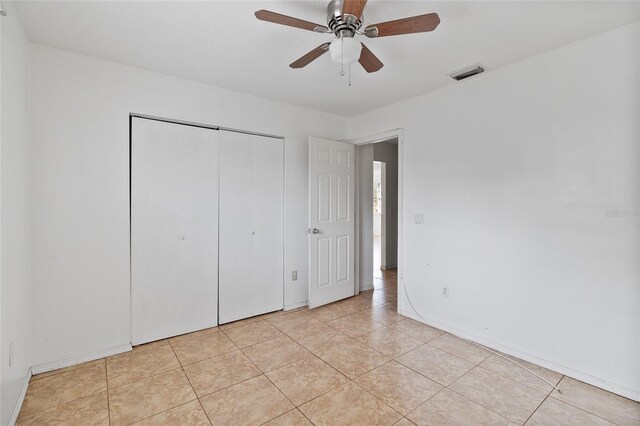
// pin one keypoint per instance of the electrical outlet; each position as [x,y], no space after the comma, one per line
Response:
[11,354]
[445,291]
[419,218]
[294,276]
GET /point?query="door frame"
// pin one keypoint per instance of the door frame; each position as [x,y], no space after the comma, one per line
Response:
[377,138]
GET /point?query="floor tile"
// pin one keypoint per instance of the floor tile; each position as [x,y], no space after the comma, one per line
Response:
[213,374]
[292,418]
[352,358]
[450,409]
[145,398]
[417,330]
[384,314]
[275,353]
[399,387]
[355,325]
[254,401]
[435,364]
[144,346]
[349,405]
[385,297]
[404,422]
[88,411]
[321,338]
[67,369]
[512,400]
[460,348]
[189,414]
[140,364]
[389,342]
[601,403]
[194,335]
[239,323]
[296,322]
[331,312]
[364,301]
[55,390]
[278,313]
[194,350]
[301,381]
[250,334]
[554,412]
[512,371]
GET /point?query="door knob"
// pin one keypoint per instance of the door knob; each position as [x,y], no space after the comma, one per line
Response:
[315,231]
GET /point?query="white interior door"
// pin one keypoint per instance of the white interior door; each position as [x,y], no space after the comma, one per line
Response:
[251,225]
[331,221]
[174,229]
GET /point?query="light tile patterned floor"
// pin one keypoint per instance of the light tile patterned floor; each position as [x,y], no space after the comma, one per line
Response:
[354,362]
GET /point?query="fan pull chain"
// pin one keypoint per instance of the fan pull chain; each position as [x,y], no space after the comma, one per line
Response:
[349,75]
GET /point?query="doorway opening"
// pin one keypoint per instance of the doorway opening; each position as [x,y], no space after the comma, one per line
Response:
[378,162]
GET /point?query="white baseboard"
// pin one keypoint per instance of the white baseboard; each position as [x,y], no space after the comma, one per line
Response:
[18,406]
[366,288]
[296,305]
[578,375]
[43,368]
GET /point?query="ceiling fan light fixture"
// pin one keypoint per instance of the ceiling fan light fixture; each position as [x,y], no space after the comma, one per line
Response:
[345,50]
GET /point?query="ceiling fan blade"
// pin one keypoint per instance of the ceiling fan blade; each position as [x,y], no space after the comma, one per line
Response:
[369,61]
[311,56]
[276,18]
[414,24]
[353,7]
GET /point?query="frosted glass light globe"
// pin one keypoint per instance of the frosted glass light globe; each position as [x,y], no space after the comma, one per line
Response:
[345,50]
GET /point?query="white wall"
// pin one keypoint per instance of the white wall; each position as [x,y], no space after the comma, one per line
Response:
[515,171]
[377,217]
[15,265]
[80,116]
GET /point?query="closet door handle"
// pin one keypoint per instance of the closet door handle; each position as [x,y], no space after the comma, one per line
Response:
[315,231]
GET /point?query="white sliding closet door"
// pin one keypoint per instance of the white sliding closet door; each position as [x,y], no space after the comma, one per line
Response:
[174,229]
[251,225]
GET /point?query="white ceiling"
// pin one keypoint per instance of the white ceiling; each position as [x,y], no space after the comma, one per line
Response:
[222,43]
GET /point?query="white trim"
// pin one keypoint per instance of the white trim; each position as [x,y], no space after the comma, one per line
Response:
[367,288]
[575,374]
[376,138]
[296,305]
[18,405]
[380,137]
[43,368]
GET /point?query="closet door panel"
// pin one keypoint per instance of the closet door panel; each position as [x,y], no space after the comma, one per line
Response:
[251,226]
[236,216]
[268,215]
[174,242]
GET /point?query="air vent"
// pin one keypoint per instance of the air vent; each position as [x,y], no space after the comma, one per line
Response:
[467,72]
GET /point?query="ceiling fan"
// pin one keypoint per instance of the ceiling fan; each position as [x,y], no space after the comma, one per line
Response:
[344,20]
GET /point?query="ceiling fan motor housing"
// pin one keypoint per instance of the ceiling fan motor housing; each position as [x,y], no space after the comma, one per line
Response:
[342,25]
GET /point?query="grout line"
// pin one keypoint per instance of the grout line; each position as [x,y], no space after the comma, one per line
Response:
[106,379]
[537,408]
[481,405]
[582,409]
[66,402]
